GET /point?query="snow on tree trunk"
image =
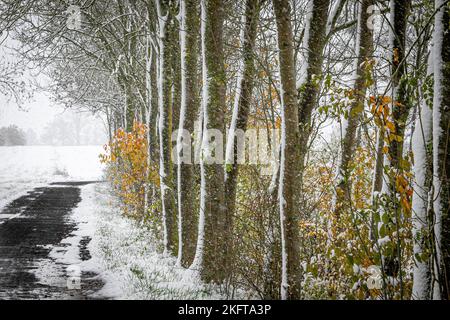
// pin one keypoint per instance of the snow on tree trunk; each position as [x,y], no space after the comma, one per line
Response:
[165,130]
[364,48]
[296,128]
[210,257]
[148,114]
[335,11]
[189,27]
[288,184]
[441,159]
[241,108]
[421,141]
[400,107]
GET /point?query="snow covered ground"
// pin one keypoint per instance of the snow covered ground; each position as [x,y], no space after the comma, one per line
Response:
[125,254]
[122,253]
[23,168]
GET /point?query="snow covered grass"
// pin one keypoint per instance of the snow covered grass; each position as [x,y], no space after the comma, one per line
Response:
[23,168]
[125,254]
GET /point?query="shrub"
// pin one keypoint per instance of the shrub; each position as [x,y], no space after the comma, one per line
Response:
[129,168]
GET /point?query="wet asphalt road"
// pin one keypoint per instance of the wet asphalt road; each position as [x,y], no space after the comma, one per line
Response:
[29,227]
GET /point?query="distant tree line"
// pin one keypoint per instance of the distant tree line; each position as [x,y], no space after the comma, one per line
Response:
[64,130]
[12,136]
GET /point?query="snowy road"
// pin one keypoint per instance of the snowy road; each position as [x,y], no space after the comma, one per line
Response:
[26,243]
[24,168]
[56,220]
[40,192]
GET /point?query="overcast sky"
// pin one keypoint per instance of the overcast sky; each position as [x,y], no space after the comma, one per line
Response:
[35,114]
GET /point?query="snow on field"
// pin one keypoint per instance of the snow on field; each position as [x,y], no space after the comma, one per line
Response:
[23,168]
[124,254]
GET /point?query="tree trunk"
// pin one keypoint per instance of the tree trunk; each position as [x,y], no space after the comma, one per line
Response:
[295,140]
[211,247]
[441,154]
[421,141]
[290,156]
[190,25]
[153,116]
[272,265]
[399,10]
[165,130]
[241,109]
[377,182]
[377,179]
[130,55]
[400,107]
[364,49]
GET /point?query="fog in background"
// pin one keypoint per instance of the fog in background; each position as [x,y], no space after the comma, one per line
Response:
[45,123]
[42,120]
